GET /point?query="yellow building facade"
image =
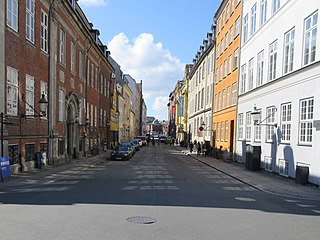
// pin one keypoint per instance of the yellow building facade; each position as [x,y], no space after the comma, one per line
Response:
[228,29]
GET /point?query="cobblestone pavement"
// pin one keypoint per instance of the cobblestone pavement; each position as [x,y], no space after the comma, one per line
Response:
[261,180]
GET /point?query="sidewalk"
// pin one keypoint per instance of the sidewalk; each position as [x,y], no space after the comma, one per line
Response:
[261,180]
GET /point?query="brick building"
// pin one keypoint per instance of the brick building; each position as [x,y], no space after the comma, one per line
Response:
[52,49]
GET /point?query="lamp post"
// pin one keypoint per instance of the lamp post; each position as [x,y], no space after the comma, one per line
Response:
[255,114]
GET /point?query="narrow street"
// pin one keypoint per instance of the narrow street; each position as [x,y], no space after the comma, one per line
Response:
[174,195]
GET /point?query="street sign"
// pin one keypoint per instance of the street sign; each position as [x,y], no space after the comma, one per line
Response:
[5,168]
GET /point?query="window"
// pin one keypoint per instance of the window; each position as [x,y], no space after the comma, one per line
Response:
[81,65]
[230,64]
[222,45]
[219,100]
[234,94]
[283,167]
[238,1]
[61,105]
[30,11]
[226,37]
[217,75]
[12,14]
[202,97]
[29,152]
[218,131]
[92,75]
[214,131]
[310,38]
[92,116]
[237,27]
[289,50]
[275,6]
[199,99]
[13,152]
[306,119]
[232,6]
[226,137]
[227,12]
[286,122]
[260,63]
[203,69]
[216,102]
[236,58]
[221,131]
[228,96]
[253,27]
[231,35]
[44,90]
[271,111]
[243,78]
[12,91]
[245,28]
[273,60]
[221,74]
[29,95]
[62,56]
[73,57]
[257,130]
[225,68]
[250,74]
[223,98]
[263,12]
[208,95]
[240,126]
[219,50]
[44,32]
[248,126]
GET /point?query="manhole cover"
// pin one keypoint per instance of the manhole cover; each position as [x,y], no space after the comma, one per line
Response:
[244,199]
[141,220]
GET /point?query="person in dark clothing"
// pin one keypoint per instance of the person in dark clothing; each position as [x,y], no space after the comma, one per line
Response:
[198,149]
[191,147]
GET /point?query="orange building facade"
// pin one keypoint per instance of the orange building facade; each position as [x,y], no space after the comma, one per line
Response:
[228,28]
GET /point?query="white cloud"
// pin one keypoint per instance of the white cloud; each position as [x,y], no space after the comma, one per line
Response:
[89,3]
[148,61]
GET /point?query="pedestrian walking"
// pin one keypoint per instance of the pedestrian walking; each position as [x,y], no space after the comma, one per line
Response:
[198,149]
[191,147]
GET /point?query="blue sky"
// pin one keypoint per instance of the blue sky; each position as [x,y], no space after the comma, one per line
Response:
[152,40]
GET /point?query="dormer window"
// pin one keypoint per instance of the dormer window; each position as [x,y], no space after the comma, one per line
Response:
[73,3]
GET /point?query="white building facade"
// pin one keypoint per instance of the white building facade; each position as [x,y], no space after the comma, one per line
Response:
[200,93]
[280,74]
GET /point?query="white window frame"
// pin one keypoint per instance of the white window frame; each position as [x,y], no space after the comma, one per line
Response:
[275,6]
[12,91]
[260,68]
[263,12]
[271,120]
[73,57]
[226,137]
[62,107]
[236,58]
[243,78]
[62,47]
[253,26]
[245,28]
[310,38]
[44,31]
[30,21]
[240,126]
[234,94]
[257,129]
[248,126]
[250,74]
[237,30]
[230,64]
[222,132]
[30,95]
[288,51]
[228,96]
[306,113]
[286,113]
[13,14]
[223,98]
[231,35]
[273,60]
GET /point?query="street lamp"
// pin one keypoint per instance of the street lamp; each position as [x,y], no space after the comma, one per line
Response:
[255,114]
[43,103]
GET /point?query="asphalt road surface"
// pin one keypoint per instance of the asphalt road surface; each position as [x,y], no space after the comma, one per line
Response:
[160,194]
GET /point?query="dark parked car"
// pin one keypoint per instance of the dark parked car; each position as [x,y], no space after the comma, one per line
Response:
[122,153]
[130,145]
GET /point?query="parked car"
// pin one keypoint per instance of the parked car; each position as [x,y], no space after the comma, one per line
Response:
[139,141]
[131,147]
[121,153]
[136,144]
[163,139]
[143,139]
